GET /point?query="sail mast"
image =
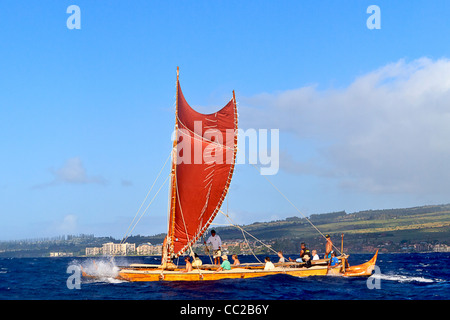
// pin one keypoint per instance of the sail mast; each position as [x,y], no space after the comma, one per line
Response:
[174,168]
[169,240]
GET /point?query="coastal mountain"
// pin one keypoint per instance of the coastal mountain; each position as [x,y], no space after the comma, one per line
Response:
[391,230]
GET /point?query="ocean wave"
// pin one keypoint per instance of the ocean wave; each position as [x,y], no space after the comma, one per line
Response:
[402,278]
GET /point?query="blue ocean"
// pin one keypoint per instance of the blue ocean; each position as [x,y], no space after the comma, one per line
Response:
[414,276]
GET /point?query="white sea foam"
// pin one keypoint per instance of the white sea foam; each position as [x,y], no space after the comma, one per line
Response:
[104,270]
[401,278]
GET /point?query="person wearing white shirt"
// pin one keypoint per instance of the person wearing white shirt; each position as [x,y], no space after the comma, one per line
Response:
[216,243]
[269,265]
[315,255]
[282,258]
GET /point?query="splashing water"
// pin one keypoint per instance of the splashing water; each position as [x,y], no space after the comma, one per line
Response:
[103,269]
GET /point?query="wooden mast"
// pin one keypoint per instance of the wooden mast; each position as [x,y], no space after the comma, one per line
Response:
[169,240]
[174,170]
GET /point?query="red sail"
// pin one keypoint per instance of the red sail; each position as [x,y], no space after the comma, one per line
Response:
[203,164]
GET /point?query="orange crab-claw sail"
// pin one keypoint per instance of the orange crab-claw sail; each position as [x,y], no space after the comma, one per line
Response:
[203,160]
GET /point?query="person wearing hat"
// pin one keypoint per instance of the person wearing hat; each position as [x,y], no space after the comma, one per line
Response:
[225,264]
[216,243]
[307,261]
[328,247]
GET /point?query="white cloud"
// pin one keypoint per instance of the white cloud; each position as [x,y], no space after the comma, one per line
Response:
[68,225]
[72,172]
[388,131]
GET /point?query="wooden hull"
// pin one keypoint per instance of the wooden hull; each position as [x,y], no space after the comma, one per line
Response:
[249,271]
[362,270]
[205,275]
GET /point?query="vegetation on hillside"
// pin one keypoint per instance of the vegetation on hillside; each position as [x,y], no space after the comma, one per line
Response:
[391,230]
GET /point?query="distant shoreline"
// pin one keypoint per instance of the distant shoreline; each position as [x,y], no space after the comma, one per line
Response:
[419,229]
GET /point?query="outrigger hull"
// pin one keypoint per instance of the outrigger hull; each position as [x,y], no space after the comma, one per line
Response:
[207,273]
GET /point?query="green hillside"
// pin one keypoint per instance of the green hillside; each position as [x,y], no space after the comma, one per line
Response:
[393,230]
[425,228]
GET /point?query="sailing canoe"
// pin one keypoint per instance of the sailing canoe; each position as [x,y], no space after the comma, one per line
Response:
[245,271]
[198,187]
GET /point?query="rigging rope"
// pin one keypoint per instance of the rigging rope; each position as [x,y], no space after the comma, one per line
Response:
[243,230]
[292,204]
[148,193]
[196,136]
[147,208]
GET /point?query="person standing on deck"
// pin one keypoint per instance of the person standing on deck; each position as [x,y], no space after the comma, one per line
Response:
[328,247]
[216,243]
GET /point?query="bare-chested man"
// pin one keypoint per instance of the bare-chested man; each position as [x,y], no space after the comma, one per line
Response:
[328,247]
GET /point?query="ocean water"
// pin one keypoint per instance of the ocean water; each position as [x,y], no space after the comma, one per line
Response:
[401,277]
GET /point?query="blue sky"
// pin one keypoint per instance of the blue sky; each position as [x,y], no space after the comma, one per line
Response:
[86,115]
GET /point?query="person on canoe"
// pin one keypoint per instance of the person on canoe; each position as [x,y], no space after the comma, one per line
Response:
[188,264]
[225,264]
[269,265]
[282,258]
[303,251]
[216,243]
[236,261]
[333,261]
[307,261]
[315,256]
[196,262]
[328,247]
